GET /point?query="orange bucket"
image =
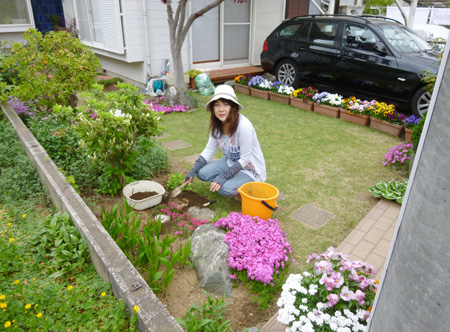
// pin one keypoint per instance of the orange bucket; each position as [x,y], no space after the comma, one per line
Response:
[258,199]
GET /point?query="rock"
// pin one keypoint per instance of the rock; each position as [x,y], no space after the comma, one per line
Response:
[201,213]
[209,253]
[171,95]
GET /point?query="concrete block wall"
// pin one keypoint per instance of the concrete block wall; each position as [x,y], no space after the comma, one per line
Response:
[110,262]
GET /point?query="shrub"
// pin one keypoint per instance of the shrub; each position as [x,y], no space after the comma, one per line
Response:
[51,68]
[417,132]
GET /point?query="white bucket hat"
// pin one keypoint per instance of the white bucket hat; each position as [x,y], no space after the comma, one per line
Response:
[226,92]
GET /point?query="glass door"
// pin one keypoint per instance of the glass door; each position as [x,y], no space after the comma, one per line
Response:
[236,32]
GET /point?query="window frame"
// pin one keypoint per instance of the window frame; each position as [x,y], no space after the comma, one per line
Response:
[111,17]
[20,27]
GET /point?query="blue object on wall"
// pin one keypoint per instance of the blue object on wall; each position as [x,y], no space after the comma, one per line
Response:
[47,14]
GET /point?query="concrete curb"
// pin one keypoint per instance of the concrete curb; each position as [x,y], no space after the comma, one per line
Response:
[110,262]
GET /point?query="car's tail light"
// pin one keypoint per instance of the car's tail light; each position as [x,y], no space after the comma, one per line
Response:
[265,46]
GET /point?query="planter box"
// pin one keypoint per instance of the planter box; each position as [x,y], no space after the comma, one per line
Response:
[361,119]
[386,127]
[408,133]
[279,98]
[262,94]
[327,110]
[143,186]
[306,105]
[244,89]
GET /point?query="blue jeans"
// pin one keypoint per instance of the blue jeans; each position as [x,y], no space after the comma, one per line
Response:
[216,167]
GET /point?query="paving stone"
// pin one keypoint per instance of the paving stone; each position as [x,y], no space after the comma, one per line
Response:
[393,211]
[366,224]
[345,248]
[374,235]
[176,145]
[382,248]
[389,234]
[355,236]
[164,135]
[363,249]
[384,223]
[312,215]
[376,261]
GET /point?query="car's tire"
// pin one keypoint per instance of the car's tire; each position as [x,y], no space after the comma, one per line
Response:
[420,102]
[288,74]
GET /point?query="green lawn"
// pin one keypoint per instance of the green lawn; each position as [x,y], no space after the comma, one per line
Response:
[310,158]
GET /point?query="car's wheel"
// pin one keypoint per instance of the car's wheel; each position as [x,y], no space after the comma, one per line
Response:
[420,102]
[288,74]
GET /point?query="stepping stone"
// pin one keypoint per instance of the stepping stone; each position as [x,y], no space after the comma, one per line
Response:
[162,136]
[312,216]
[176,145]
[193,158]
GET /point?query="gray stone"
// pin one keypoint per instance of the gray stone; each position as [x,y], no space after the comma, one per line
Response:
[171,95]
[176,145]
[312,215]
[204,214]
[210,256]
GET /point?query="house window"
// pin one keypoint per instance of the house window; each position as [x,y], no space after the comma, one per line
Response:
[100,24]
[15,12]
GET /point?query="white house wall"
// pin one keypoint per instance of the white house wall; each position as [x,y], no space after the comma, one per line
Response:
[267,15]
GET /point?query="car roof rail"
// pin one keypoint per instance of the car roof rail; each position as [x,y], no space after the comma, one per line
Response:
[381,17]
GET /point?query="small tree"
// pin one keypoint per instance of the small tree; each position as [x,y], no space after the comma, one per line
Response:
[51,68]
[178,29]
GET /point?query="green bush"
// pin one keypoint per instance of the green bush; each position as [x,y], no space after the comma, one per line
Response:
[51,68]
[417,132]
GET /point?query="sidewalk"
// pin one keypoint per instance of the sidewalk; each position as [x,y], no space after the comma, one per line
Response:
[368,242]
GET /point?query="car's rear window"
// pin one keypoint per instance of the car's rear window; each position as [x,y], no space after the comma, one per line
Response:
[289,30]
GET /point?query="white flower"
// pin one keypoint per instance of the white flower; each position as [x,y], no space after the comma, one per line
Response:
[118,113]
[304,300]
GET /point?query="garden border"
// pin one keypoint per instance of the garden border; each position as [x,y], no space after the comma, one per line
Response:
[110,262]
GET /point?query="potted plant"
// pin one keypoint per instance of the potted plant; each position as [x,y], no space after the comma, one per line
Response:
[327,103]
[302,98]
[409,124]
[385,118]
[241,84]
[192,73]
[356,111]
[259,87]
[333,292]
[280,93]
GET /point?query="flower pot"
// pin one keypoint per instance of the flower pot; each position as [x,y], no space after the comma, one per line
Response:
[192,83]
[143,187]
[262,94]
[408,133]
[386,127]
[360,119]
[327,110]
[244,89]
[279,98]
[306,105]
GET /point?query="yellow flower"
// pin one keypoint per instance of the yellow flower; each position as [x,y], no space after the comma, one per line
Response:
[136,308]
[69,287]
[3,305]
[39,315]
[2,297]
[9,224]
[103,293]
[36,305]
[27,306]
[17,281]
[7,324]
[24,215]
[11,239]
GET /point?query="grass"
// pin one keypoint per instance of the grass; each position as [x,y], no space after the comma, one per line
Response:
[310,158]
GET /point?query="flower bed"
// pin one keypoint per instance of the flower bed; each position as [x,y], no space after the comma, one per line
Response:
[334,294]
[256,245]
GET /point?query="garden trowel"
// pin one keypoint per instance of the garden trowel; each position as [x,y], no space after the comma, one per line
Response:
[177,190]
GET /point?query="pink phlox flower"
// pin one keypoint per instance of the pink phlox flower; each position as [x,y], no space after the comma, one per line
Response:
[312,257]
[332,300]
[346,294]
[232,276]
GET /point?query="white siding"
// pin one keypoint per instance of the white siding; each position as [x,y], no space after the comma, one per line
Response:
[267,15]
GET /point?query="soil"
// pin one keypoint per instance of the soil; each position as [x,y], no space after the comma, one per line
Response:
[184,288]
[143,194]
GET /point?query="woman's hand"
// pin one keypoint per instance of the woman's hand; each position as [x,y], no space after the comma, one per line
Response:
[215,187]
[190,180]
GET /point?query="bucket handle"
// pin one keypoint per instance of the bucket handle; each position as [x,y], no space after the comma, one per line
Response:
[268,206]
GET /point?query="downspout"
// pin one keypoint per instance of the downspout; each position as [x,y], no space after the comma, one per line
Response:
[147,46]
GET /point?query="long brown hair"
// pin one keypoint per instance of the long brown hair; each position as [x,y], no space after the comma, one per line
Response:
[216,125]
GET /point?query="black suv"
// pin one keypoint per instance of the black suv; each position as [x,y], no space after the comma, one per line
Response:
[364,56]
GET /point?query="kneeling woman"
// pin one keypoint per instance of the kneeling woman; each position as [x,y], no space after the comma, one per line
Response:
[243,159]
